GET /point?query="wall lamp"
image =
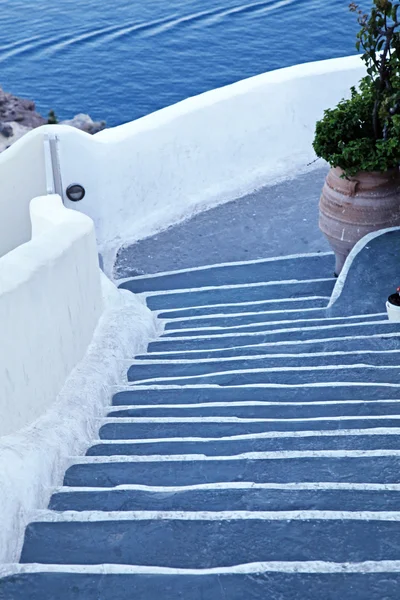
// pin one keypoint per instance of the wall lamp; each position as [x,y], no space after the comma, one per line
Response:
[75,192]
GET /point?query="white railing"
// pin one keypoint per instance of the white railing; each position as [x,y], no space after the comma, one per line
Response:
[50,304]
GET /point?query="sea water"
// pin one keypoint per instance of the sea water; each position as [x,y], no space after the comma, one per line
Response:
[121,59]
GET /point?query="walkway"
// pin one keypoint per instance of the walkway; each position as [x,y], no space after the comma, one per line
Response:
[277,220]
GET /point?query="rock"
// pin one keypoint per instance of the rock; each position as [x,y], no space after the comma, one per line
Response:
[18,131]
[6,130]
[85,123]
[21,110]
[18,116]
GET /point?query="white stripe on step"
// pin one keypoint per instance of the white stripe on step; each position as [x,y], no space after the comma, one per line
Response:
[260,436]
[384,566]
[240,485]
[244,404]
[48,516]
[262,386]
[243,421]
[277,455]
[235,286]
[275,331]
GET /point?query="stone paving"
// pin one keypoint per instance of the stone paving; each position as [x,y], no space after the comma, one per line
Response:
[274,221]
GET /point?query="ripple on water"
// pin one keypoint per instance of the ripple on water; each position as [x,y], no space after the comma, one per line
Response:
[124,59]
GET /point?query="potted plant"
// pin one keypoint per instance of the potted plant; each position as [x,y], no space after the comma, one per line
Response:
[360,139]
[393,306]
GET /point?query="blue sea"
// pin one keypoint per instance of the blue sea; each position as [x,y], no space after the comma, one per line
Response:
[121,59]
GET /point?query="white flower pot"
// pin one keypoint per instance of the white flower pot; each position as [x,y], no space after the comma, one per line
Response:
[393,312]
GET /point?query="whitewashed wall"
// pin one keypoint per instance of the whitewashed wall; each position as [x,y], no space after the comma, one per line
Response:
[50,303]
[22,177]
[148,174]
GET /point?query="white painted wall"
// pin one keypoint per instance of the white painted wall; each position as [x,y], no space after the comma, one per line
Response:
[22,177]
[50,303]
[34,459]
[148,174]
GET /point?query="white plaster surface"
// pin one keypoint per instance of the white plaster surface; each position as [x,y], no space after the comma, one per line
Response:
[151,173]
[67,328]
[50,303]
[34,460]
[22,177]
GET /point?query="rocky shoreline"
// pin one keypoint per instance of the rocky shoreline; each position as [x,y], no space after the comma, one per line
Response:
[18,116]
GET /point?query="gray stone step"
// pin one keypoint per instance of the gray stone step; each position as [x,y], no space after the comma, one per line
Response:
[220,499]
[205,544]
[242,293]
[140,370]
[371,469]
[314,393]
[235,447]
[273,319]
[347,342]
[268,411]
[257,586]
[151,428]
[315,303]
[280,336]
[271,325]
[289,376]
[307,266]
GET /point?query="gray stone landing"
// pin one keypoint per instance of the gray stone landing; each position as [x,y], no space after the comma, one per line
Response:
[276,220]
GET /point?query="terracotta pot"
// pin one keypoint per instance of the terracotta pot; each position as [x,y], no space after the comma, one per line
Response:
[350,208]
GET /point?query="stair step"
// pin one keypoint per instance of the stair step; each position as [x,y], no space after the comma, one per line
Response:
[246,318]
[278,337]
[290,376]
[311,393]
[302,303]
[253,410]
[308,266]
[278,290]
[257,585]
[226,499]
[203,544]
[272,325]
[217,427]
[369,469]
[141,370]
[235,447]
[327,343]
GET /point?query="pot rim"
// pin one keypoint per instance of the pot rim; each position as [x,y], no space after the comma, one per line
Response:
[392,305]
[367,173]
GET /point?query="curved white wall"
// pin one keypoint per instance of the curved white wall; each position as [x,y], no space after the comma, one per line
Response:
[22,177]
[50,304]
[150,173]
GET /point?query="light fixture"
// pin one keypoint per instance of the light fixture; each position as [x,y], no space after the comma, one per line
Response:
[75,192]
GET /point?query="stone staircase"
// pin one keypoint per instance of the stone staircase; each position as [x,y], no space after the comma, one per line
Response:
[253,453]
